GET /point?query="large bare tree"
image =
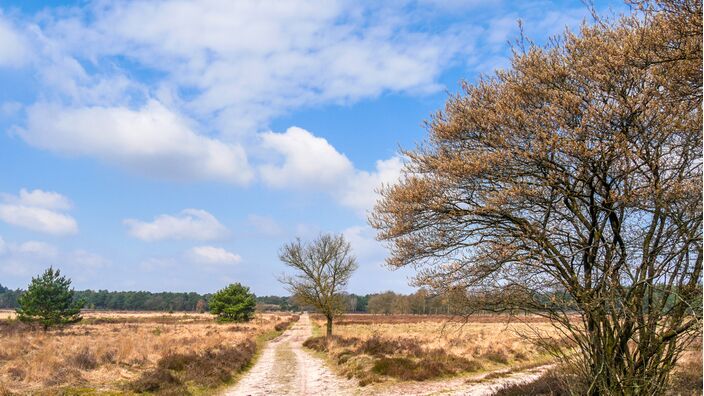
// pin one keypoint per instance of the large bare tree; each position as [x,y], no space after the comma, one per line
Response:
[323,268]
[571,185]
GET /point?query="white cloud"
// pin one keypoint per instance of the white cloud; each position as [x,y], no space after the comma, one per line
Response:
[194,224]
[360,192]
[14,48]
[213,255]
[208,94]
[364,246]
[307,160]
[248,61]
[38,210]
[311,163]
[39,198]
[151,140]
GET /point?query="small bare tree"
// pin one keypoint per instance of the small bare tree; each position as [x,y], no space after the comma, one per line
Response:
[323,268]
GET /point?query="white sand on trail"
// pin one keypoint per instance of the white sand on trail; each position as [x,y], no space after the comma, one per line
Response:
[461,386]
[284,368]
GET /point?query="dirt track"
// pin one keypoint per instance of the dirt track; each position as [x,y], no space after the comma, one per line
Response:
[284,368]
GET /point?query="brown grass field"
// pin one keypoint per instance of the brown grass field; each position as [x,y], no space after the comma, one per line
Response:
[378,348]
[392,348]
[127,352]
[134,352]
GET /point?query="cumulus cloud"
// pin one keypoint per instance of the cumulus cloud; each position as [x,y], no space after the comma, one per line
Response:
[193,224]
[213,255]
[151,140]
[307,160]
[39,211]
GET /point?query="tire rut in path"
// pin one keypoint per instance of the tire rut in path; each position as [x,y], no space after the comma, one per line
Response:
[284,368]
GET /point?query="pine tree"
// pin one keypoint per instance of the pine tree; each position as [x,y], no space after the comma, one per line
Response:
[234,303]
[49,300]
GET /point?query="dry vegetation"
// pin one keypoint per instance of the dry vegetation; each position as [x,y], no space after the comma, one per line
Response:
[130,352]
[685,380]
[375,348]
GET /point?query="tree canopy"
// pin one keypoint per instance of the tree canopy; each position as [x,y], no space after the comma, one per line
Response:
[323,268]
[576,172]
[49,301]
[235,303]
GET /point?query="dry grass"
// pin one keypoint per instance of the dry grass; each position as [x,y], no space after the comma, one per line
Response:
[376,348]
[685,380]
[115,350]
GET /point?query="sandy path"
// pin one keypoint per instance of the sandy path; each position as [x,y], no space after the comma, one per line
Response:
[284,368]
[464,386]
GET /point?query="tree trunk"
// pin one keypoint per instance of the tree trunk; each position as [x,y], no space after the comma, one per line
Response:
[328,333]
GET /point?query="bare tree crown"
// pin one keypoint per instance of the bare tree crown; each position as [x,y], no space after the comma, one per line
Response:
[322,269]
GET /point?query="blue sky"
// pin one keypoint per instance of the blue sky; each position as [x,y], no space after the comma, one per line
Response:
[177,145]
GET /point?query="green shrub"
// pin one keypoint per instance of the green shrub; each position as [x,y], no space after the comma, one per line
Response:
[49,300]
[235,303]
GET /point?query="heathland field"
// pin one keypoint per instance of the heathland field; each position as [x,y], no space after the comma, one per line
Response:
[120,352]
[484,354]
[180,354]
[383,348]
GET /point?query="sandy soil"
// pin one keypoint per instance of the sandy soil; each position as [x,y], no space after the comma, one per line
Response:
[285,368]
[465,386]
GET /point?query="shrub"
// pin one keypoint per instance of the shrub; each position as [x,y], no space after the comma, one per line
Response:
[64,375]
[398,358]
[108,357]
[378,346]
[210,368]
[84,359]
[319,344]
[281,326]
[49,301]
[496,356]
[155,380]
[399,367]
[234,303]
[216,365]
[16,373]
[435,364]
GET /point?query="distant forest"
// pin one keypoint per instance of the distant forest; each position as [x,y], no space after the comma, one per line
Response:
[419,302]
[145,301]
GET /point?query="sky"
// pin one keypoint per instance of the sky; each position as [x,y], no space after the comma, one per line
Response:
[176,145]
